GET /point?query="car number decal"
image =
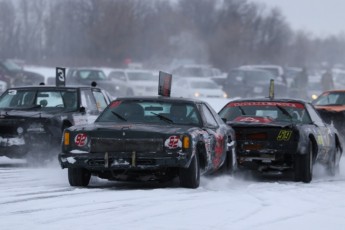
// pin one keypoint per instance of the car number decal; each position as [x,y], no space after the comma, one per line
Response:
[284,135]
[173,142]
[80,140]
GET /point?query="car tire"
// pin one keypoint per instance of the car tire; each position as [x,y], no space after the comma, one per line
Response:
[78,177]
[190,177]
[304,165]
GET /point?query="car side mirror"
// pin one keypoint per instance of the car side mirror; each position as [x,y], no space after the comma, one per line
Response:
[224,119]
[82,109]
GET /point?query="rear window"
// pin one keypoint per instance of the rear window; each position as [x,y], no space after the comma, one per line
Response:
[279,111]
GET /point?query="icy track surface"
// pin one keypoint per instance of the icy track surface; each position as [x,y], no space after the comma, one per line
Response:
[41,198]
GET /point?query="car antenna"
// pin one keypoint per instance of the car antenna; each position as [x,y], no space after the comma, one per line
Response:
[271,90]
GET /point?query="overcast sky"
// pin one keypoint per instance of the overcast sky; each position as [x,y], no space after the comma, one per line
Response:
[321,17]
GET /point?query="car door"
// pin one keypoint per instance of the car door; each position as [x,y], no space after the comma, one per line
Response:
[216,139]
[322,131]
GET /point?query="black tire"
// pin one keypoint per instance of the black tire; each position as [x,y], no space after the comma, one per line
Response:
[333,166]
[228,166]
[78,177]
[190,177]
[304,165]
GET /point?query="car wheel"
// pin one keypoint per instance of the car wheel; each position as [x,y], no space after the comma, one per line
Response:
[78,177]
[333,166]
[190,177]
[304,165]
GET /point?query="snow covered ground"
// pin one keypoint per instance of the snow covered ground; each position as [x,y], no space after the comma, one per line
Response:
[41,198]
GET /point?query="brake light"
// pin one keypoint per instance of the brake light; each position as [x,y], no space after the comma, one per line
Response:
[257,136]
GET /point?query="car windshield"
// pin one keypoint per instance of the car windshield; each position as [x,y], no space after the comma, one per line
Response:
[151,111]
[278,111]
[41,99]
[333,98]
[141,76]
[12,66]
[92,75]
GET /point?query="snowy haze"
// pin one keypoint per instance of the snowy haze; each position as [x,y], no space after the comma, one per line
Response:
[320,17]
[41,198]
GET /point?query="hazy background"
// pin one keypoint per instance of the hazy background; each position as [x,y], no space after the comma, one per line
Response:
[159,33]
[320,17]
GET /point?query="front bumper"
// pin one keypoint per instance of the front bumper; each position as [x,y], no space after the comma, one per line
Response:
[127,160]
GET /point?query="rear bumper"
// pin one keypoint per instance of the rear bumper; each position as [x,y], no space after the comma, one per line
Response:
[113,161]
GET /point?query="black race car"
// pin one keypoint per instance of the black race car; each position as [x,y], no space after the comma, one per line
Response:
[282,135]
[150,138]
[33,118]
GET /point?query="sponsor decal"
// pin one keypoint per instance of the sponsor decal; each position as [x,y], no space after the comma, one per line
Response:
[81,139]
[253,119]
[284,135]
[266,103]
[173,142]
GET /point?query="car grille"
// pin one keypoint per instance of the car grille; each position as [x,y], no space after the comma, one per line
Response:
[126,145]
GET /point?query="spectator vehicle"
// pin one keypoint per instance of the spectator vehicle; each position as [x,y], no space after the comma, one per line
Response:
[200,71]
[331,107]
[142,82]
[33,118]
[14,75]
[193,87]
[149,138]
[248,82]
[85,76]
[282,135]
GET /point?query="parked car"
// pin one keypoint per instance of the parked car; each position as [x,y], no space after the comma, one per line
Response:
[33,118]
[3,86]
[282,135]
[149,138]
[85,76]
[200,71]
[14,75]
[193,87]
[142,82]
[248,82]
[331,107]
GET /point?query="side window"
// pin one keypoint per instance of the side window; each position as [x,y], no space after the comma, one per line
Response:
[209,118]
[88,101]
[101,103]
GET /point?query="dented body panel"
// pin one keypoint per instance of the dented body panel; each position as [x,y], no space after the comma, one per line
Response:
[272,134]
[149,147]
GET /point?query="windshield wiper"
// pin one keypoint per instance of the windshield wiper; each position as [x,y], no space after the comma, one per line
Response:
[164,118]
[119,116]
[285,112]
[242,111]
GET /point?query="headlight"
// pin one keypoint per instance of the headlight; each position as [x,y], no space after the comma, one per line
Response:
[196,94]
[225,95]
[314,96]
[117,87]
[20,130]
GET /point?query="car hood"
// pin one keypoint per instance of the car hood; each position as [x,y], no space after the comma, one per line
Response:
[8,113]
[107,127]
